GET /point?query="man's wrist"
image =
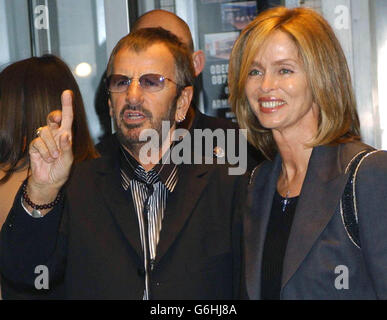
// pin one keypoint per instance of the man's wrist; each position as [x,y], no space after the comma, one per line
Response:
[38,201]
[41,194]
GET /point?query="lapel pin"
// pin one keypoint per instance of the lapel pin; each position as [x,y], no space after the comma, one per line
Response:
[218,152]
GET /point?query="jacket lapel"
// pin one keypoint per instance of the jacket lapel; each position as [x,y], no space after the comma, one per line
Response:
[319,198]
[181,203]
[259,202]
[119,202]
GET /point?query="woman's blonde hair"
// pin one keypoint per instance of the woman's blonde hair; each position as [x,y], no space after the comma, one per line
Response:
[325,66]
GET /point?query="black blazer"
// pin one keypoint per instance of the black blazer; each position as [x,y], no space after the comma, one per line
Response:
[97,251]
[318,244]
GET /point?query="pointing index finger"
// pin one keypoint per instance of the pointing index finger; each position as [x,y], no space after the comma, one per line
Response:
[67,110]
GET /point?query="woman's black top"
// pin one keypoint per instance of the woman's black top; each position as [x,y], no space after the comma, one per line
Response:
[277,234]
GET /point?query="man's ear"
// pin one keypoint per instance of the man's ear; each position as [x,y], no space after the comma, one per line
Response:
[110,107]
[199,60]
[183,103]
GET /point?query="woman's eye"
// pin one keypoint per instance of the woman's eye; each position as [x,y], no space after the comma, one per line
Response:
[285,71]
[255,72]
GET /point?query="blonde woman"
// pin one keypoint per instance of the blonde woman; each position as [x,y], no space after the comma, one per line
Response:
[290,87]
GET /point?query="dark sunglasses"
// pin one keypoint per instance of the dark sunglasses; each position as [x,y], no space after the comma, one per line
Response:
[149,82]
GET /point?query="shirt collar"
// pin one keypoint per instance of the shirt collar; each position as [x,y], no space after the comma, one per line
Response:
[166,172]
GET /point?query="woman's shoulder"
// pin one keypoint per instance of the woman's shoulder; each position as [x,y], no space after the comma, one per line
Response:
[349,151]
[352,148]
[373,162]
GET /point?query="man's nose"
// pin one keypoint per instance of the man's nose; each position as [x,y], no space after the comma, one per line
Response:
[134,94]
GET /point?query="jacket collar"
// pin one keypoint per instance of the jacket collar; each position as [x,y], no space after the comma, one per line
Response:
[118,202]
[181,203]
[259,201]
[320,195]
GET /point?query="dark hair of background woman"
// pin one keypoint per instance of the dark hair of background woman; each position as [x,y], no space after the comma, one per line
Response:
[29,90]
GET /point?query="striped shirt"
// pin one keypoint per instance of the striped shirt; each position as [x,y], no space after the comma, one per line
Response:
[149,190]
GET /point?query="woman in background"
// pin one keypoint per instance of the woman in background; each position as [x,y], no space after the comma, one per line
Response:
[29,90]
[290,87]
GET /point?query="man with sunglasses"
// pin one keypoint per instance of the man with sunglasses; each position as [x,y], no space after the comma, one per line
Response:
[117,227]
[194,118]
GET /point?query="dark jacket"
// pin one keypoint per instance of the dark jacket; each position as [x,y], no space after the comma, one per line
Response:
[318,245]
[97,251]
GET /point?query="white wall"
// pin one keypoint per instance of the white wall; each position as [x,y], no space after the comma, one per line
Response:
[4,49]
[82,38]
[14,32]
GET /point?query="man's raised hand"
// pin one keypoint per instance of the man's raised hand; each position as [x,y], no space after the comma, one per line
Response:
[51,153]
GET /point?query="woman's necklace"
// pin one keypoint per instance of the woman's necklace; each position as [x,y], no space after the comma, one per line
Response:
[285,201]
